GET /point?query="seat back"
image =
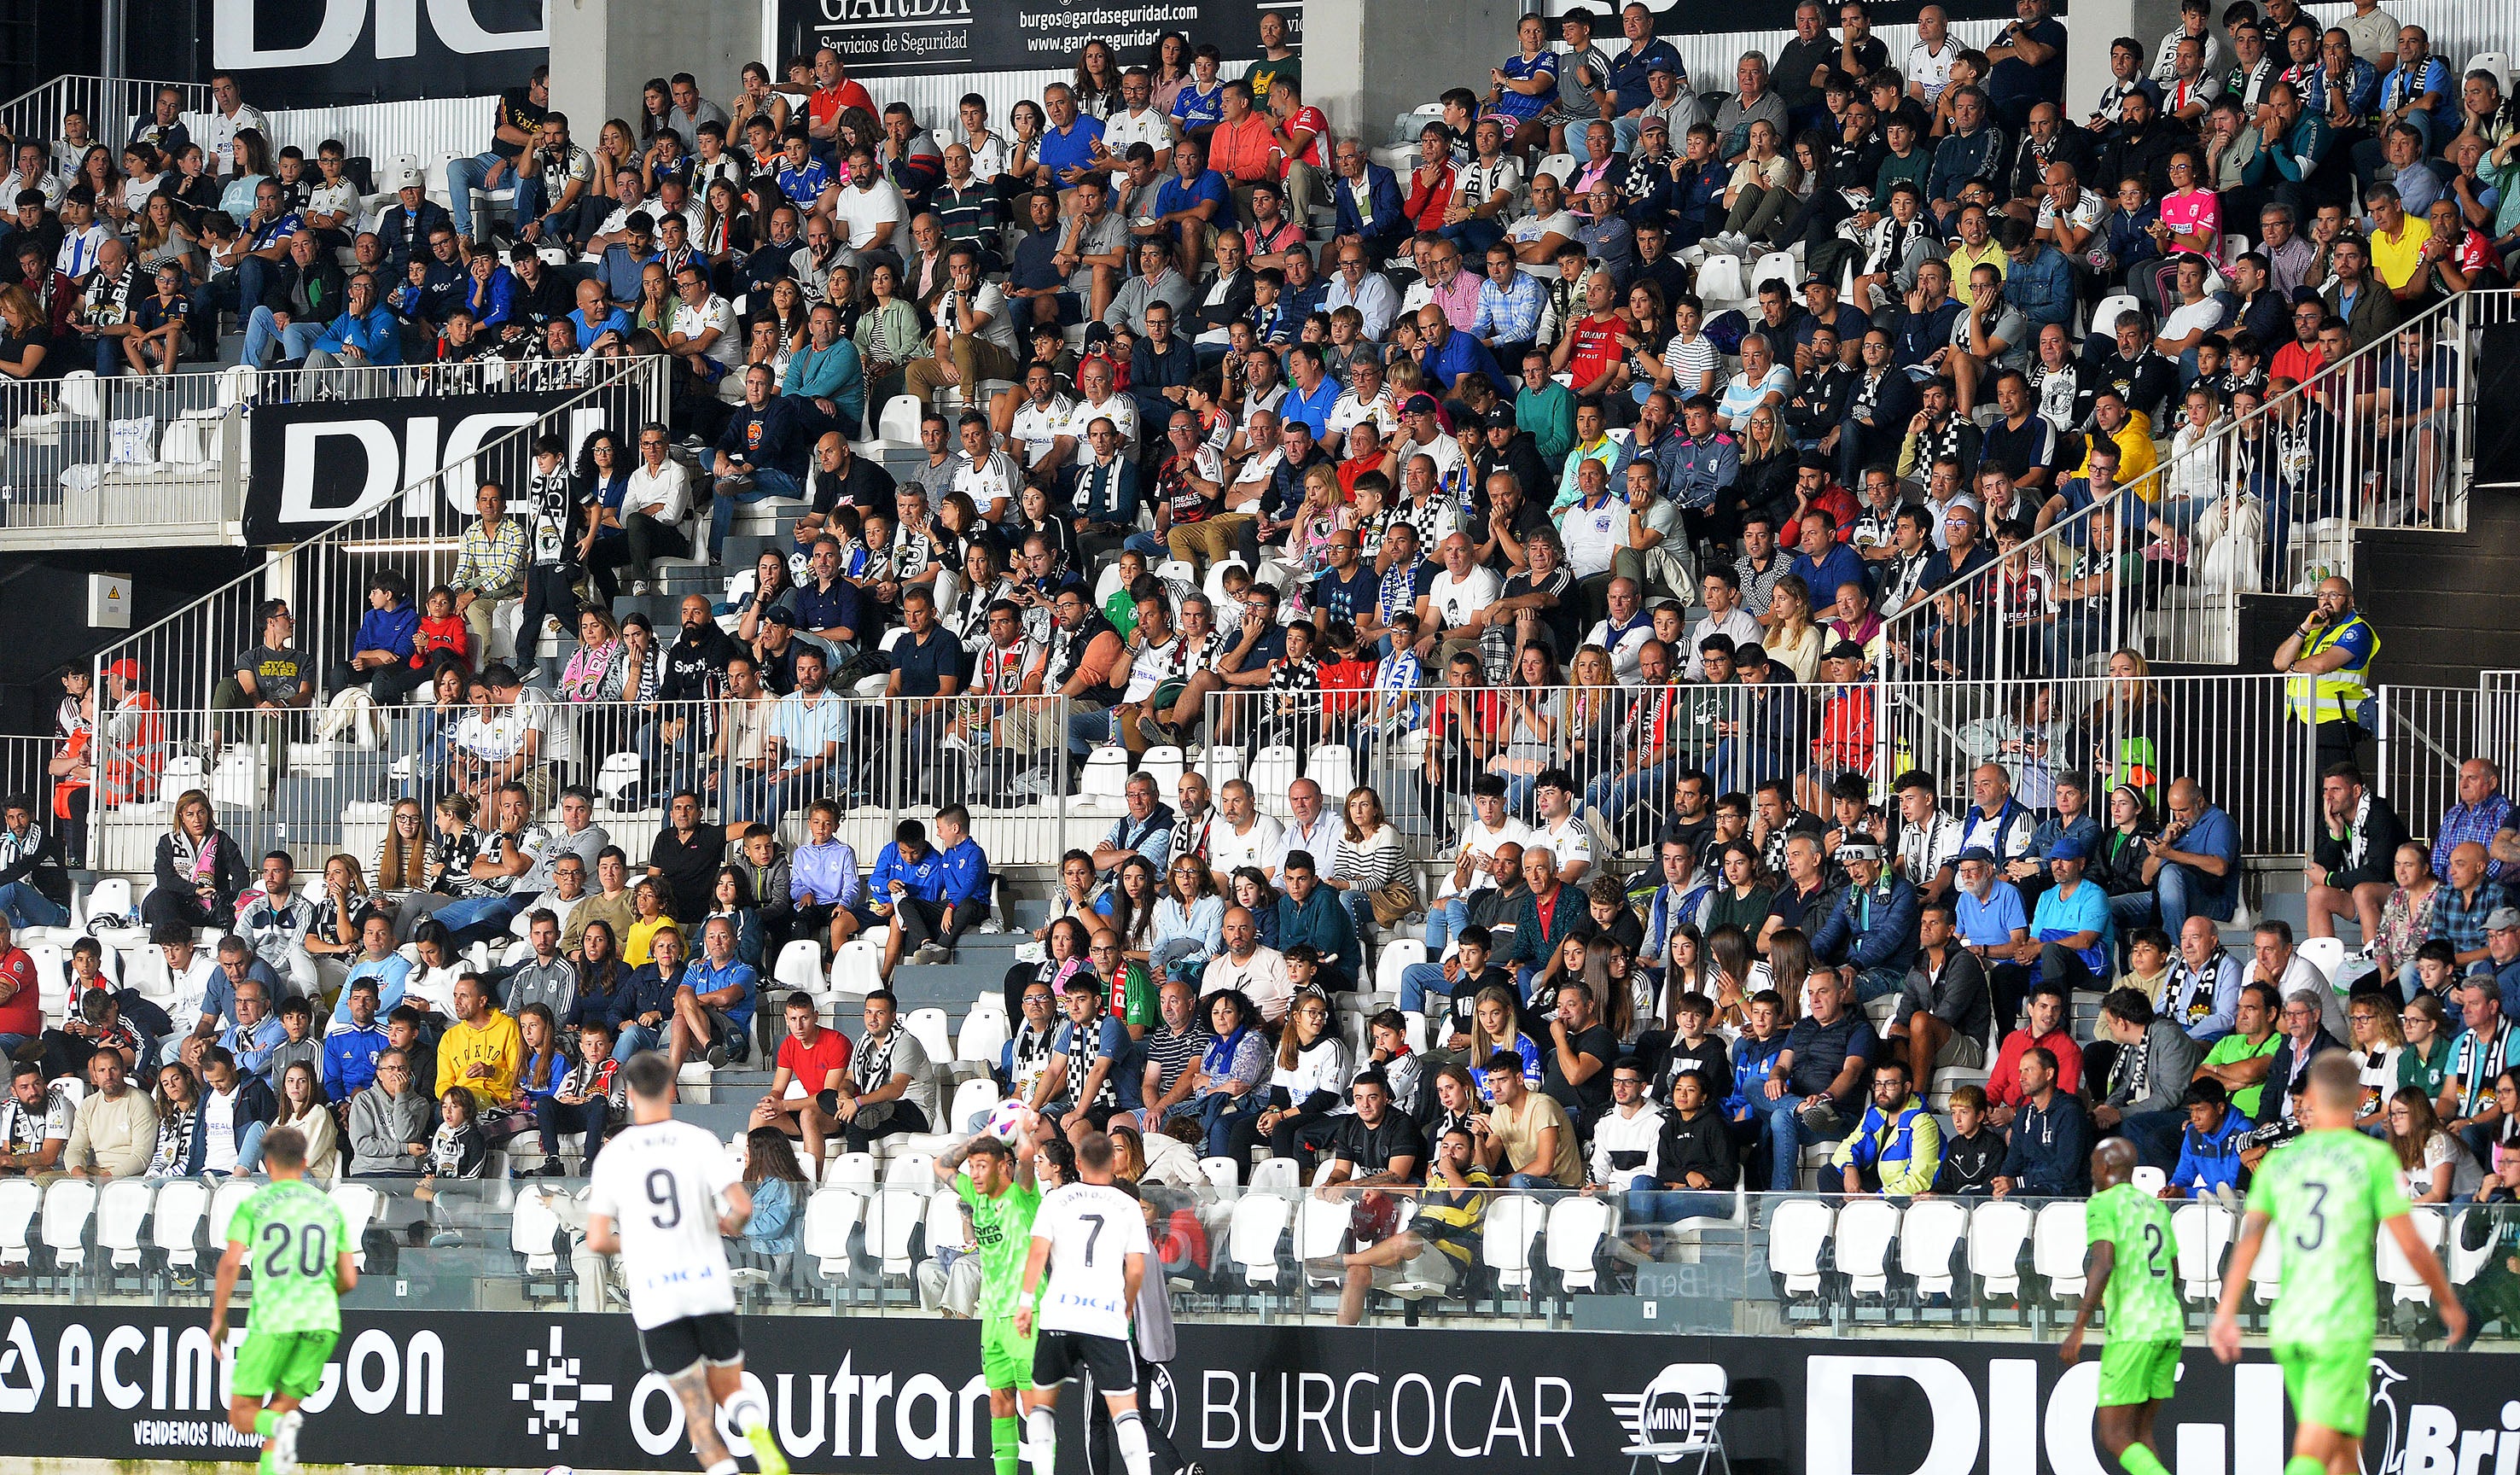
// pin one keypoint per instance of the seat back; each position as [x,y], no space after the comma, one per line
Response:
[1576,1227]
[112,897]
[2327,954]
[800,966]
[1162,762]
[1773,267]
[358,1205]
[850,1170]
[2104,317]
[175,1225]
[928,1028]
[944,1221]
[829,1215]
[1558,166]
[19,1201]
[120,1209]
[2059,1245]
[1277,1175]
[910,1170]
[1796,1230]
[2203,1230]
[1273,773]
[1251,1235]
[1719,278]
[899,419]
[1218,1173]
[973,1100]
[68,1205]
[892,1216]
[1928,1232]
[1397,955]
[2397,1271]
[984,1032]
[1996,1231]
[1865,1228]
[229,1197]
[1505,1240]
[858,967]
[533,1233]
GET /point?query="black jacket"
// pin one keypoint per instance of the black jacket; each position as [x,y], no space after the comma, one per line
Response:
[2279,1073]
[1703,1146]
[228,875]
[313,293]
[695,667]
[2382,833]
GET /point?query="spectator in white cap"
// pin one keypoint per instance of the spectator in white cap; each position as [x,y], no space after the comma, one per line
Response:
[1871,939]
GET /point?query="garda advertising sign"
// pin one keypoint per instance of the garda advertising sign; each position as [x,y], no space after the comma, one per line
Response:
[879,38]
[864,1393]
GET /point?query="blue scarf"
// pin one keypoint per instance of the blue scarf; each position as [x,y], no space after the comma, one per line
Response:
[1220,1055]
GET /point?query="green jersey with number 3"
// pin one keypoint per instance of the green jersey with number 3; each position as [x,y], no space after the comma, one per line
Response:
[2327,1193]
[2142,1296]
[1002,1227]
[293,1236]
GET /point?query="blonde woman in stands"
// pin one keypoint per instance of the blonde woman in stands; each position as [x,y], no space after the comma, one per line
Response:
[1493,1028]
[402,860]
[341,911]
[590,665]
[199,870]
[1794,641]
[1369,867]
[2125,729]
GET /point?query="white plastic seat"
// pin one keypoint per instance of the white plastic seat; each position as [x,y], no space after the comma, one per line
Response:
[2265,1274]
[1505,1240]
[2396,1271]
[1163,764]
[910,1170]
[1272,772]
[1222,765]
[68,1205]
[972,1099]
[358,1205]
[1332,769]
[618,776]
[829,1215]
[229,1197]
[982,1036]
[858,967]
[2496,62]
[1680,1414]
[1214,588]
[1996,1231]
[2327,954]
[1796,1231]
[1258,1221]
[1558,166]
[928,1027]
[1218,1173]
[944,1221]
[20,1200]
[2059,1246]
[111,897]
[891,1217]
[2104,317]
[800,967]
[1319,1226]
[1777,265]
[1928,1231]
[176,1226]
[850,1170]
[1719,279]
[120,1209]
[1277,1175]
[1577,1225]
[2203,1229]
[1105,778]
[2148,1181]
[533,1233]
[1866,1227]
[1396,958]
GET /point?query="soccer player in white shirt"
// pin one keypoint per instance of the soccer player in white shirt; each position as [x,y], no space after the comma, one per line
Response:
[1091,1239]
[653,1202]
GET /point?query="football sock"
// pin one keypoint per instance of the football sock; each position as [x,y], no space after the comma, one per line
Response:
[2138,1460]
[724,1466]
[1006,1435]
[2303,1464]
[747,1412]
[1131,1434]
[266,1422]
[1043,1427]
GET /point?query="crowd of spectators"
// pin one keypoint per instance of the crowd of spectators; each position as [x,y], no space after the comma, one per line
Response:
[1473,457]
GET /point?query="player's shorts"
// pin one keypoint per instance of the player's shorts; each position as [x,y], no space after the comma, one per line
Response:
[1057,1355]
[2330,1383]
[282,1364]
[1006,1355]
[2137,1372]
[678,1344]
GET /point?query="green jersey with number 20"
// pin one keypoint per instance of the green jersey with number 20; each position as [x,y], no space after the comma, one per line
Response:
[293,1236]
[2327,1193]
[2142,1299]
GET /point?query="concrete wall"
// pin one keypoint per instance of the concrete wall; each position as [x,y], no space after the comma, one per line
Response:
[604,51]
[1419,48]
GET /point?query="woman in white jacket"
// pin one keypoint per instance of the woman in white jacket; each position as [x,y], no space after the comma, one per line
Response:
[2199,471]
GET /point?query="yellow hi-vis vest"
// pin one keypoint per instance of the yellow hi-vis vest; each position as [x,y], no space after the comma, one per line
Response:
[2335,696]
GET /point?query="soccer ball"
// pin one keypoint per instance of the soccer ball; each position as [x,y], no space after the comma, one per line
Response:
[1010,1120]
[559,1470]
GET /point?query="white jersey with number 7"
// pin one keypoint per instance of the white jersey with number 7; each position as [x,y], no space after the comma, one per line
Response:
[1093,1229]
[659,1183]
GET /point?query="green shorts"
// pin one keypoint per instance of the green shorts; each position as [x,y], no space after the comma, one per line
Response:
[1006,1355]
[2137,1372]
[2330,1383]
[289,1364]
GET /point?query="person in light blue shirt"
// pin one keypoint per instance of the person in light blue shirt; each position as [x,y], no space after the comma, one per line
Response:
[1988,910]
[378,963]
[828,371]
[366,336]
[2198,861]
[258,1030]
[2073,914]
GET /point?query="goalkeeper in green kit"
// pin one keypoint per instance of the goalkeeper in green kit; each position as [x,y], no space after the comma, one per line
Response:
[1000,1196]
[2324,1196]
[2134,1268]
[296,1241]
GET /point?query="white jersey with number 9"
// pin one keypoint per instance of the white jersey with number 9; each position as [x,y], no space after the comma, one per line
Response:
[1093,1229]
[659,1183]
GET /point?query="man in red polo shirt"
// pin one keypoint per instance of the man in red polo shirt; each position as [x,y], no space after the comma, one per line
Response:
[1245,146]
[833,94]
[1591,349]
[21,1003]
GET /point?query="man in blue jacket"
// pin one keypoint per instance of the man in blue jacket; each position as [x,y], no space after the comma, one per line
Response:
[648,999]
[2209,1149]
[1871,937]
[366,336]
[350,1050]
[761,454]
[380,652]
[1310,912]
[907,889]
[2050,1153]
[1370,206]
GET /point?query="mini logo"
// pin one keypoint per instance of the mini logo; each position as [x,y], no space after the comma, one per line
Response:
[554,1391]
[1683,1400]
[1163,1399]
[2385,1414]
[21,1370]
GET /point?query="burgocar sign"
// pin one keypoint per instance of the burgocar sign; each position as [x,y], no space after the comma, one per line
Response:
[848,1394]
[880,39]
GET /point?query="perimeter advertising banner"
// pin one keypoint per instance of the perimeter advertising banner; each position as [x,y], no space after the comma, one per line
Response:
[527,1391]
[319,462]
[331,52]
[884,38]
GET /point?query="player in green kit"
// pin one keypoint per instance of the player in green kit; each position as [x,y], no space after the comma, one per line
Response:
[2325,1194]
[296,1242]
[1000,1196]
[2133,1270]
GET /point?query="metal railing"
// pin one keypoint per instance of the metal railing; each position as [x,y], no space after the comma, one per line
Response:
[316,781]
[185,655]
[112,106]
[2425,732]
[158,452]
[2305,469]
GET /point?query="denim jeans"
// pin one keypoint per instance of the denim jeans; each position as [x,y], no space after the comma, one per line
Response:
[2181,893]
[484,918]
[1786,1134]
[27,906]
[766,481]
[1444,920]
[638,1037]
[464,177]
[1534,1181]
[262,329]
[1652,1205]
[1420,981]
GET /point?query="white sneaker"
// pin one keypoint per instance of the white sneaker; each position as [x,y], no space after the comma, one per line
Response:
[992,927]
[283,1443]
